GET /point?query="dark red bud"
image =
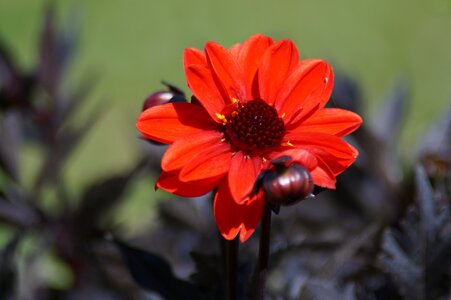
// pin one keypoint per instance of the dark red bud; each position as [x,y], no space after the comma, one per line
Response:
[287,185]
[158,98]
[194,100]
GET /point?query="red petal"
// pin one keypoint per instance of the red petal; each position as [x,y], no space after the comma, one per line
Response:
[182,151]
[192,56]
[307,88]
[170,183]
[242,175]
[249,58]
[226,72]
[235,50]
[301,156]
[168,122]
[227,213]
[276,64]
[331,150]
[203,86]
[323,176]
[323,144]
[338,165]
[212,161]
[252,213]
[232,217]
[335,121]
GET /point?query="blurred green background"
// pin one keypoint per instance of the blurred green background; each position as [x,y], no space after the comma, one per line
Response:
[135,44]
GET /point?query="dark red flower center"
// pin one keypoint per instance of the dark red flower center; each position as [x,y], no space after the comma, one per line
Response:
[254,126]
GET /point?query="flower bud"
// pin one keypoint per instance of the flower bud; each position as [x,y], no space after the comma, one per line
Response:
[287,185]
[173,94]
[158,98]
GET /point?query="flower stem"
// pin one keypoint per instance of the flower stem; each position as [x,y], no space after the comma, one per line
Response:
[232,248]
[263,254]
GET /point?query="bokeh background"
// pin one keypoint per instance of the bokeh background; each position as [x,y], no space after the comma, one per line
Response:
[130,46]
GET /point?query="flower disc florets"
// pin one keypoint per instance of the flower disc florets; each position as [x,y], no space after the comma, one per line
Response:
[255,126]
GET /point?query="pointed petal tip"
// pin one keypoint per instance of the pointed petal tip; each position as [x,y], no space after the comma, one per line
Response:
[324,184]
[230,234]
[193,56]
[245,234]
[226,70]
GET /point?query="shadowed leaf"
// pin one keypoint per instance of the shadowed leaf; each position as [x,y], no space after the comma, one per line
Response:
[65,143]
[18,214]
[9,137]
[55,52]
[7,273]
[417,256]
[316,289]
[8,72]
[99,198]
[154,273]
[209,274]
[15,86]
[69,104]
[346,94]
[388,123]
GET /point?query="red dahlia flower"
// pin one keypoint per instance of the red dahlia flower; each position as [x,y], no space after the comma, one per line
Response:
[256,101]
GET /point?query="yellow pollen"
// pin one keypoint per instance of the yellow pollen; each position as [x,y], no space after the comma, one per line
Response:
[234,113]
[235,100]
[223,139]
[221,117]
[287,143]
[283,115]
[264,159]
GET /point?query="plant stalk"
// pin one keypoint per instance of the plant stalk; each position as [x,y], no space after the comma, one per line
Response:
[232,248]
[263,254]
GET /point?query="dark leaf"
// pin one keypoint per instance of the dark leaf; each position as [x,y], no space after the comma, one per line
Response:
[18,214]
[320,289]
[7,269]
[209,274]
[346,94]
[389,121]
[15,86]
[435,155]
[55,51]
[60,149]
[99,198]
[400,265]
[380,160]
[426,207]
[187,215]
[438,137]
[154,273]
[417,256]
[173,88]
[348,250]
[8,71]
[9,137]
[378,142]
[69,104]
[49,69]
